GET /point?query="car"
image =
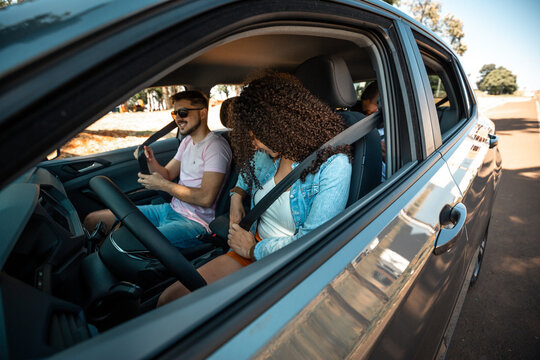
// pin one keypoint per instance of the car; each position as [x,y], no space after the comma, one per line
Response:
[385,278]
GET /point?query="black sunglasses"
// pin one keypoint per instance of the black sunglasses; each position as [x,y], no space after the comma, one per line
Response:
[183,112]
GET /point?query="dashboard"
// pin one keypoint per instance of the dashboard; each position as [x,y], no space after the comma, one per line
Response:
[42,247]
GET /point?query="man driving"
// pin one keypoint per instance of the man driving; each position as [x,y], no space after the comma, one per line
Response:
[201,165]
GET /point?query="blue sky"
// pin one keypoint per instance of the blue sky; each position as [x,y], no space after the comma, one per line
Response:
[505,33]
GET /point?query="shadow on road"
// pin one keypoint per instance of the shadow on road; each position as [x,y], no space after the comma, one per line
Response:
[502,316]
[515,124]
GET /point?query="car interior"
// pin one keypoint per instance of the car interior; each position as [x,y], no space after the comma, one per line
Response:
[64,285]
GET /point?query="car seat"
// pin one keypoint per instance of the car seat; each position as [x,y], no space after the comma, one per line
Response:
[328,78]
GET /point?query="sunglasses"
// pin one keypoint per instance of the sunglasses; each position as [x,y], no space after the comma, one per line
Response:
[182,113]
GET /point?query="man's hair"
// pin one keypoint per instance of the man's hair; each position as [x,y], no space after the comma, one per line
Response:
[196,98]
[370,92]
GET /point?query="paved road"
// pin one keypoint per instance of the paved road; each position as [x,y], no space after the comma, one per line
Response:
[501,315]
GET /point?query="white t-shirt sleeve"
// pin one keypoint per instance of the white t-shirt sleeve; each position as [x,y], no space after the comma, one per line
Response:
[217,156]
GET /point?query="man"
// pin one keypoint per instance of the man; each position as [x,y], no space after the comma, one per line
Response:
[368,100]
[369,103]
[201,164]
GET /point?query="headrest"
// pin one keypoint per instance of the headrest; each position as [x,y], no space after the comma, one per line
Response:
[223,112]
[329,79]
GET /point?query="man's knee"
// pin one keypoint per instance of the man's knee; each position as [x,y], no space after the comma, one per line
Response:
[92,219]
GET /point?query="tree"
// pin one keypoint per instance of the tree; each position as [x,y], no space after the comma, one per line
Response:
[484,71]
[427,13]
[449,27]
[453,31]
[498,81]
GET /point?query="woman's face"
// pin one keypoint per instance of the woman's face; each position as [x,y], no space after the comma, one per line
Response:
[260,146]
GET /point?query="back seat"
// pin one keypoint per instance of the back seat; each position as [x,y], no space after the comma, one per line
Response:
[328,78]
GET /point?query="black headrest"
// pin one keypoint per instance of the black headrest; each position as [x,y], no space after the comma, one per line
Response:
[329,79]
[223,112]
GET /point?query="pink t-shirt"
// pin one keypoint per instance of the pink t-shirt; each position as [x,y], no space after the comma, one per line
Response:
[212,154]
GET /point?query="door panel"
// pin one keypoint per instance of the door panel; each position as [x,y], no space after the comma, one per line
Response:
[118,165]
[476,170]
[377,294]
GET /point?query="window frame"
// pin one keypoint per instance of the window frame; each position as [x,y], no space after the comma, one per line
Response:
[447,61]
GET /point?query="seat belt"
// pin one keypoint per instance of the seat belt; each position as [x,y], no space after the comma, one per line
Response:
[141,157]
[348,136]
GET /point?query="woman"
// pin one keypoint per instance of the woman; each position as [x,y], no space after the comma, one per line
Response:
[276,124]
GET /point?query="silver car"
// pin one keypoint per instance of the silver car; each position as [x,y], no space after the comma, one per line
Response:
[383,279]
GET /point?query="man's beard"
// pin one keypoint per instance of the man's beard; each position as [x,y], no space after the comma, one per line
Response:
[191,129]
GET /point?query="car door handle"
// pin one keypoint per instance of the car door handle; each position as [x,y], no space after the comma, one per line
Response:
[449,234]
[84,167]
[493,140]
[94,166]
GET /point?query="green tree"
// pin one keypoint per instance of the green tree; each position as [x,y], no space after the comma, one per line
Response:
[499,81]
[484,71]
[449,27]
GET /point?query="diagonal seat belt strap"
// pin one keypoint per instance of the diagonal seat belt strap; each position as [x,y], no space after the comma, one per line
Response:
[141,157]
[349,136]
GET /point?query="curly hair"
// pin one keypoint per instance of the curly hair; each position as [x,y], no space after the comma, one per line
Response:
[287,118]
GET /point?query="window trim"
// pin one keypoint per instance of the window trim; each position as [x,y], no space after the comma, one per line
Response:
[425,110]
[448,62]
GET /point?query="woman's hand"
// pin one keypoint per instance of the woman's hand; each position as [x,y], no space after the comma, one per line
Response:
[241,241]
[237,211]
[153,181]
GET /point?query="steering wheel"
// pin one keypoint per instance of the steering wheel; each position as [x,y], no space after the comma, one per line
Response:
[124,210]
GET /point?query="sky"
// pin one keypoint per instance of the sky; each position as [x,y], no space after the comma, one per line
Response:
[501,32]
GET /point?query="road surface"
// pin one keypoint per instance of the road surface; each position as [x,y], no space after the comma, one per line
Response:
[500,318]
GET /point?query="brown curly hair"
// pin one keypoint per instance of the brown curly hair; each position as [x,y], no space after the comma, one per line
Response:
[287,118]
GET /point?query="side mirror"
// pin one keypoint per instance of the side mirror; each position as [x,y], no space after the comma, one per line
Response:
[54,155]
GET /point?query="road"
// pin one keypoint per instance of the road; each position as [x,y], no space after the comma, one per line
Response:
[500,318]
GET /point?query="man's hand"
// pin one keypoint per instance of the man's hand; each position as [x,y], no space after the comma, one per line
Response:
[150,158]
[237,212]
[240,240]
[154,181]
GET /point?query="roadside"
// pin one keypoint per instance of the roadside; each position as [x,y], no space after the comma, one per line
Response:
[500,318]
[489,102]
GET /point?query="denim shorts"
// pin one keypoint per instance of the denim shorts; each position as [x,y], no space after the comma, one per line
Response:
[179,230]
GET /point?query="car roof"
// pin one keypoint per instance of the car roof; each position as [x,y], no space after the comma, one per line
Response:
[31,30]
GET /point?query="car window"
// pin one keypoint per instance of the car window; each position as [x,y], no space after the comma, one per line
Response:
[218,94]
[128,124]
[446,89]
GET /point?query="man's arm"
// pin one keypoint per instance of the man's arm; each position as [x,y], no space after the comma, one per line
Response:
[204,196]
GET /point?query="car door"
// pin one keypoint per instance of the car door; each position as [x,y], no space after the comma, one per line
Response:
[118,165]
[476,165]
[368,283]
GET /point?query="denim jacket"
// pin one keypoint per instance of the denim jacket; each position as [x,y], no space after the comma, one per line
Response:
[322,196]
